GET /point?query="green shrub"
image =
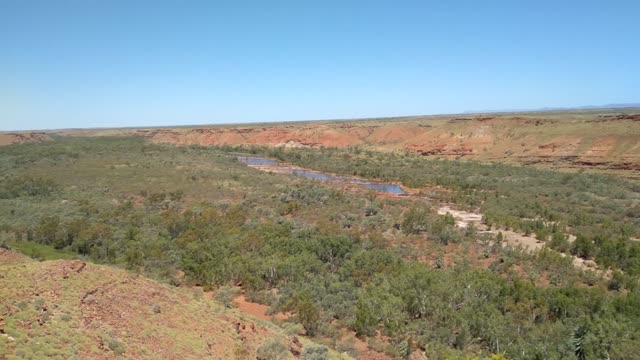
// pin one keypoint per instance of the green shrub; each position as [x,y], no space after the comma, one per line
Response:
[116,346]
[27,186]
[226,294]
[416,220]
[272,349]
[315,352]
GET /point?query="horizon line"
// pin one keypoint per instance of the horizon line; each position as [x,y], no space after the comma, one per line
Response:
[396,117]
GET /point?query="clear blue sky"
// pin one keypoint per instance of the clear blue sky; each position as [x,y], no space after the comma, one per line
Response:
[90,63]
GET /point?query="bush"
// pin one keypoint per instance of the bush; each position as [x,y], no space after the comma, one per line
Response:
[416,220]
[583,247]
[226,294]
[26,186]
[308,314]
[616,282]
[315,352]
[116,346]
[559,242]
[371,209]
[293,329]
[272,349]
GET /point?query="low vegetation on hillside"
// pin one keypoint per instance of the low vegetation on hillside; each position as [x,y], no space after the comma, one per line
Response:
[69,309]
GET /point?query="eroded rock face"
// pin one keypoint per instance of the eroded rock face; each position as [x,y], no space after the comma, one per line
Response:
[23,138]
[605,140]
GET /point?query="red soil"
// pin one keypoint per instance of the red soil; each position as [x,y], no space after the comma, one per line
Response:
[257,310]
[603,142]
[23,138]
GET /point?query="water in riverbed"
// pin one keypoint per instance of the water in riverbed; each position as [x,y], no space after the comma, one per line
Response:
[463,218]
[272,165]
[251,160]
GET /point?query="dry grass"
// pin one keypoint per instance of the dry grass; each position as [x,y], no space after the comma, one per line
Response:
[67,309]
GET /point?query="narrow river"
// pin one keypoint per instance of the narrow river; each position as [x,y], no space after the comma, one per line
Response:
[463,218]
[274,166]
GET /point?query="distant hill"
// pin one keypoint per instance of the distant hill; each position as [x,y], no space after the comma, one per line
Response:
[586,138]
[586,107]
[600,140]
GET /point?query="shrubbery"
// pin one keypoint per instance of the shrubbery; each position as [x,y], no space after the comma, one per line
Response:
[14,187]
[326,258]
[315,352]
[272,349]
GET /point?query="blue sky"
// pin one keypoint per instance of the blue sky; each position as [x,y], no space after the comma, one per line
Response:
[90,63]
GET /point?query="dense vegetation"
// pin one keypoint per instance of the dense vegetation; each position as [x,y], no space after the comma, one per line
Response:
[345,260]
[604,211]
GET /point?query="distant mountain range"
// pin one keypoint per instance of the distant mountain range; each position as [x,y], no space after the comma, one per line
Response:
[587,107]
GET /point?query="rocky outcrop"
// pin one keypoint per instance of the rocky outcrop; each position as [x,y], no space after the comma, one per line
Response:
[23,138]
[603,140]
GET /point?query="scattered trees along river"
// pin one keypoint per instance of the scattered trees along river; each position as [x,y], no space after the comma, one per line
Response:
[328,252]
[603,211]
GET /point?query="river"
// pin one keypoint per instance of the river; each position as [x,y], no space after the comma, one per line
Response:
[463,219]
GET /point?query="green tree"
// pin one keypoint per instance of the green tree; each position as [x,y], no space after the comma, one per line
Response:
[308,314]
[416,220]
[366,320]
[47,231]
[583,247]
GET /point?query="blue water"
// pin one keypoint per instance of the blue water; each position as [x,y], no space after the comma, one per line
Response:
[249,160]
[316,175]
